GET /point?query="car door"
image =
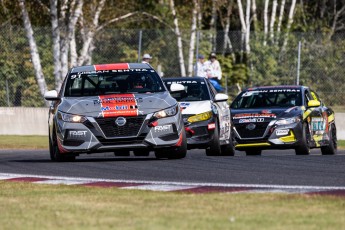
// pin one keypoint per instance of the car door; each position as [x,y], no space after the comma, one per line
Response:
[223,113]
[318,118]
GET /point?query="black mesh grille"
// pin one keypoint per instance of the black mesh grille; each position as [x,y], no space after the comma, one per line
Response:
[257,132]
[131,128]
[125,141]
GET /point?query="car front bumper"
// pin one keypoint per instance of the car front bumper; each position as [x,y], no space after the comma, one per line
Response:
[102,134]
[274,137]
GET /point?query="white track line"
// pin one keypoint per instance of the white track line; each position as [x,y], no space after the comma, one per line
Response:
[81,180]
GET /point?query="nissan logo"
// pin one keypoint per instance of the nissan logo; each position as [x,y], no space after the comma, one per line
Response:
[120,121]
[250,126]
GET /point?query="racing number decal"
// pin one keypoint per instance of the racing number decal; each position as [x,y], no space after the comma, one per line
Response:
[118,105]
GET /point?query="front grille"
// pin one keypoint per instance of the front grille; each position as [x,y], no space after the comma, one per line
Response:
[257,132]
[124,141]
[111,129]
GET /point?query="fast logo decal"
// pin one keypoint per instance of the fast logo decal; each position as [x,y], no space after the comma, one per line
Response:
[118,105]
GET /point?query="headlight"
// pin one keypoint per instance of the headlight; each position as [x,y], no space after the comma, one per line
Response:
[172,111]
[288,121]
[200,117]
[71,117]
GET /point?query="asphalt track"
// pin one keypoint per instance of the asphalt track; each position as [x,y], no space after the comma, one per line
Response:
[274,167]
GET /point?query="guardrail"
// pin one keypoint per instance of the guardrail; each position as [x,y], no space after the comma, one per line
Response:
[34,121]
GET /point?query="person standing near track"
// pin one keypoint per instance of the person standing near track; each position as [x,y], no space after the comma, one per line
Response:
[146,58]
[199,67]
[213,70]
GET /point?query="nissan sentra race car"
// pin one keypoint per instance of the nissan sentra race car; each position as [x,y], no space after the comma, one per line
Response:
[206,115]
[282,117]
[118,107]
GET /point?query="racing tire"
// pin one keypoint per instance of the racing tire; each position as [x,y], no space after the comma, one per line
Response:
[122,153]
[303,148]
[174,153]
[253,152]
[214,147]
[228,149]
[141,152]
[331,149]
[55,154]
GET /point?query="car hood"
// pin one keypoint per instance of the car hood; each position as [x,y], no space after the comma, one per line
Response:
[114,105]
[195,107]
[263,114]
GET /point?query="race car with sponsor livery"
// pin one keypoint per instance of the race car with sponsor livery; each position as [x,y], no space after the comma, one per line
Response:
[119,107]
[206,115]
[282,117]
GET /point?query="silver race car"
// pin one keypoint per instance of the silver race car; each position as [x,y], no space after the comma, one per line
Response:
[118,107]
[206,115]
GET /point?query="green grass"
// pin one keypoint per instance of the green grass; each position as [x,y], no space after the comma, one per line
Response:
[41,142]
[23,142]
[32,206]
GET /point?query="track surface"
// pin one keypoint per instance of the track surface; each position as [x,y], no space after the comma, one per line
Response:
[272,168]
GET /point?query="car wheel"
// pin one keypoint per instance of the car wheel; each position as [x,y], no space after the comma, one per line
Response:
[228,149]
[174,153]
[253,152]
[55,154]
[331,149]
[214,148]
[122,153]
[303,148]
[141,152]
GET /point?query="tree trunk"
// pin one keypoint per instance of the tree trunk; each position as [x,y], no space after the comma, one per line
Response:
[248,27]
[281,15]
[56,43]
[265,22]
[90,34]
[290,21]
[35,57]
[192,38]
[273,19]
[179,39]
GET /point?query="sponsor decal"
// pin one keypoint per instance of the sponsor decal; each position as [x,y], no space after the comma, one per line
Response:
[254,115]
[77,134]
[282,132]
[162,128]
[251,120]
[117,100]
[266,111]
[184,105]
[118,105]
[115,66]
[182,82]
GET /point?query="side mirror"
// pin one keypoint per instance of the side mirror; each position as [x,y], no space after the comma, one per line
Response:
[51,95]
[176,87]
[314,103]
[221,97]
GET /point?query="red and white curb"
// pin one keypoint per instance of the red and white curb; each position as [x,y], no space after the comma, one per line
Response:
[175,186]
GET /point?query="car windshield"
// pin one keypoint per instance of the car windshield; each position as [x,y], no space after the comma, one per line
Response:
[268,98]
[193,91]
[94,84]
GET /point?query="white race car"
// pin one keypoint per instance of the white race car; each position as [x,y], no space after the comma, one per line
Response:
[206,115]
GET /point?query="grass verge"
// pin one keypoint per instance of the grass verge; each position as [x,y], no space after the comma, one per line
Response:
[23,142]
[32,206]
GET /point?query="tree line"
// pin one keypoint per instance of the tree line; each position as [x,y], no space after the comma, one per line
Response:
[266,31]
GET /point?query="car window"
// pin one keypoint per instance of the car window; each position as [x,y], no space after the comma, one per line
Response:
[212,89]
[92,84]
[194,91]
[267,98]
